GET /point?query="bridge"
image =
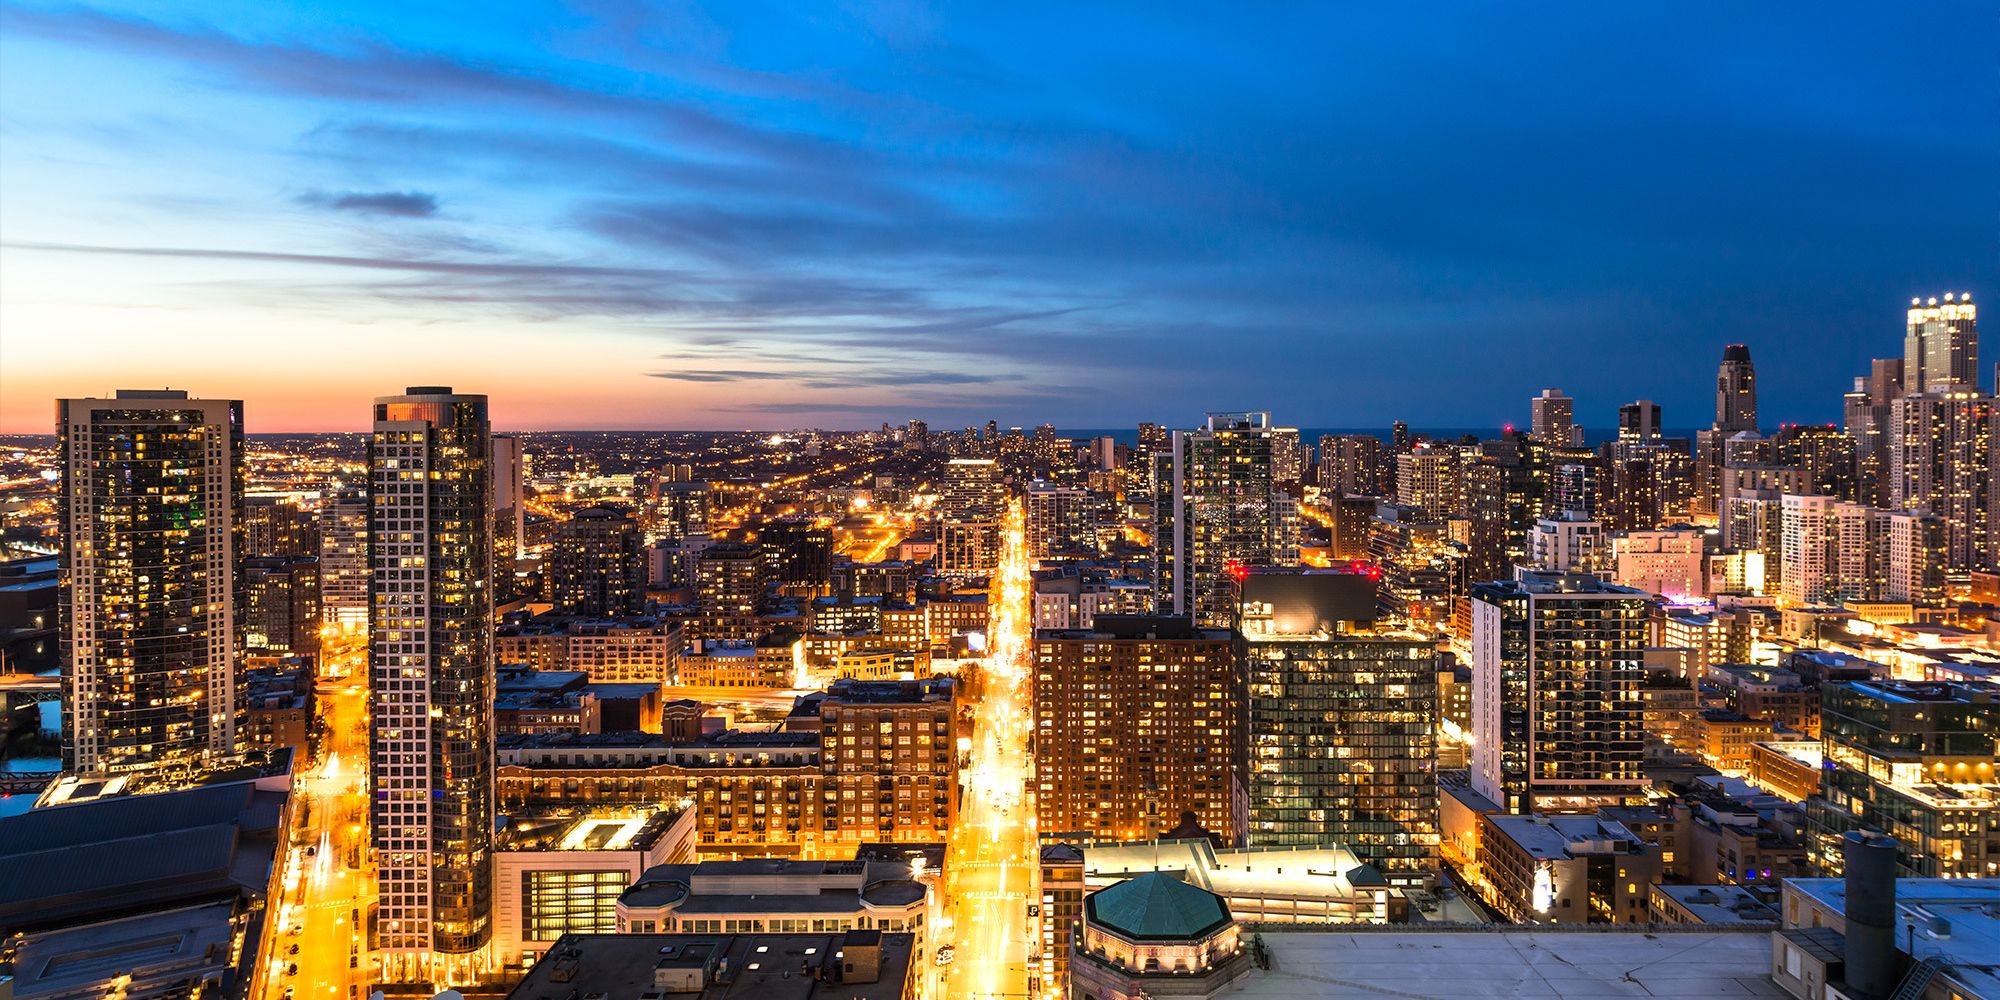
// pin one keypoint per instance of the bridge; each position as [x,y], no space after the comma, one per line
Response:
[25,782]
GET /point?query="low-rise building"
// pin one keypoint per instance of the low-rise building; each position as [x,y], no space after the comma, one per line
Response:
[1681,905]
[779,896]
[1789,768]
[144,895]
[1567,869]
[856,965]
[1273,885]
[1153,936]
[560,871]
[1873,934]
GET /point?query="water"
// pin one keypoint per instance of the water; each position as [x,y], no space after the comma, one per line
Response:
[15,805]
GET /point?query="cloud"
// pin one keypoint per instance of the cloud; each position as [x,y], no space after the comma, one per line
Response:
[402,204]
[845,380]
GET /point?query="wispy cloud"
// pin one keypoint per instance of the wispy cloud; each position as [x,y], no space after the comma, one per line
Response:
[932,207]
[403,204]
[845,380]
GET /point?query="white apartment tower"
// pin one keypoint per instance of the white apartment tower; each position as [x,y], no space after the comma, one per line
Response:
[431,681]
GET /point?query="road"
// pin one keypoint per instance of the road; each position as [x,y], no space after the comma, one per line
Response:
[327,883]
[993,867]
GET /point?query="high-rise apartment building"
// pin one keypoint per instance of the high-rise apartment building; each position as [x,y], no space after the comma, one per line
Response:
[889,751]
[1288,455]
[1136,720]
[1915,761]
[1557,664]
[279,526]
[281,606]
[968,549]
[1910,557]
[1944,458]
[430,545]
[597,565]
[1060,520]
[1427,478]
[1341,721]
[149,596]
[1220,512]
[1552,418]
[1639,421]
[1825,545]
[972,489]
[343,561]
[1350,465]
[798,554]
[729,579]
[1736,391]
[1823,454]
[1866,413]
[1941,346]
[510,498]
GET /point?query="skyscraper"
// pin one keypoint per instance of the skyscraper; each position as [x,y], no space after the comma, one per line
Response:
[1867,422]
[1552,418]
[1941,346]
[281,607]
[343,560]
[1350,464]
[1735,414]
[149,590]
[1136,720]
[431,680]
[1341,721]
[1288,455]
[1639,421]
[1428,479]
[1060,520]
[1221,513]
[510,498]
[597,565]
[1944,458]
[1736,391]
[973,489]
[1556,671]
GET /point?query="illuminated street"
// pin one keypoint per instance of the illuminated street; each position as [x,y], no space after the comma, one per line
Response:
[993,865]
[326,881]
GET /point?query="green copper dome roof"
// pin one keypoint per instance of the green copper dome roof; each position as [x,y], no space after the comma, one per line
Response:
[1157,906]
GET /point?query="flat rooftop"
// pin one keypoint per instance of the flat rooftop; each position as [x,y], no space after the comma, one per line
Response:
[763,966]
[1538,965]
[1970,905]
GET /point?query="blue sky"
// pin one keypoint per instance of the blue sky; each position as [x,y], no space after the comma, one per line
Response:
[631,215]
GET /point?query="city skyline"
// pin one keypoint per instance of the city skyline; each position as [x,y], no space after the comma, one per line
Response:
[620,219]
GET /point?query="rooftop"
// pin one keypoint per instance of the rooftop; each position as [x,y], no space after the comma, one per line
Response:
[1523,964]
[718,966]
[1157,906]
[1970,908]
[1720,904]
[563,830]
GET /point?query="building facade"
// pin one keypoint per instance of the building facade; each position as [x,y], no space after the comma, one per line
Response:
[1557,666]
[1342,721]
[1136,721]
[432,681]
[149,596]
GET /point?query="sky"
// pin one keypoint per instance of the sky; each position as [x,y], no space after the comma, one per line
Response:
[614,215]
